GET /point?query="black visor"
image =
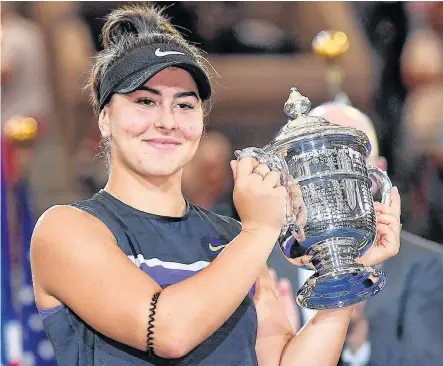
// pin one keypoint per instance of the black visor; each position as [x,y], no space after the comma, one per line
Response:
[141,64]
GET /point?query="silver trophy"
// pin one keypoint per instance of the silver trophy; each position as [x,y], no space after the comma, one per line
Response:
[329,163]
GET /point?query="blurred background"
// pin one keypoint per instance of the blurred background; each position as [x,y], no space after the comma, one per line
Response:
[389,64]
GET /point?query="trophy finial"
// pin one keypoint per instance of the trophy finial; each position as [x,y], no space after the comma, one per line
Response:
[296,104]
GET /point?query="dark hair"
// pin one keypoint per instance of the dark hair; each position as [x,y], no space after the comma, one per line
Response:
[128,28]
[131,27]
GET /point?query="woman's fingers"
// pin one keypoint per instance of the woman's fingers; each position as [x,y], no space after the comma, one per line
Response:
[304,260]
[389,220]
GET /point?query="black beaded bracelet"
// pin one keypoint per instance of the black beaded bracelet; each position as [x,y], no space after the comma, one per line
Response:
[154,300]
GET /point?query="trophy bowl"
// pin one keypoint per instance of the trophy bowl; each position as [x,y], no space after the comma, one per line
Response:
[329,164]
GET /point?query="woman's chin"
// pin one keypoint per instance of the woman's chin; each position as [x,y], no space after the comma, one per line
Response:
[164,171]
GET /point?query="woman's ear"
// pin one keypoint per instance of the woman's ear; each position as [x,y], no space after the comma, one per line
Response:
[104,123]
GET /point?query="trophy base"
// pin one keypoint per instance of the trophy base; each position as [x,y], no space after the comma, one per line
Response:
[339,280]
[341,289]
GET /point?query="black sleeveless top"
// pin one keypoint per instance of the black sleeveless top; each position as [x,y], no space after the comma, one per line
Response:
[169,249]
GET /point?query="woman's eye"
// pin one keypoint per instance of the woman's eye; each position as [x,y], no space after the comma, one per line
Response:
[185,106]
[145,101]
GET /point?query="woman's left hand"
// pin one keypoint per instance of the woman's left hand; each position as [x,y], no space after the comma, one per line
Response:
[299,211]
[387,242]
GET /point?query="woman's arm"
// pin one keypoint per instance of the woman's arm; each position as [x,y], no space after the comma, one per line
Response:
[80,265]
[319,343]
[75,260]
[274,329]
[321,340]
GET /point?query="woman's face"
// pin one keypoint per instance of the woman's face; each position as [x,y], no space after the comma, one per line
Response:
[155,130]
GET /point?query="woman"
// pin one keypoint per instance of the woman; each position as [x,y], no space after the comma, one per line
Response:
[137,275]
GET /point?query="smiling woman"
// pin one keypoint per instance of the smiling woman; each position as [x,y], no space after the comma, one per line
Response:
[137,274]
[154,130]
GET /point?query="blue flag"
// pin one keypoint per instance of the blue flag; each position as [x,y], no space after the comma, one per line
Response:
[37,349]
[10,337]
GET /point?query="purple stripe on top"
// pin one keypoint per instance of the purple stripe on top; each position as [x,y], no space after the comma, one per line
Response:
[288,245]
[252,290]
[165,276]
[44,313]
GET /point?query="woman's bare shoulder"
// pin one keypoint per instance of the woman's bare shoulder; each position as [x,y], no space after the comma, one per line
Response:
[69,223]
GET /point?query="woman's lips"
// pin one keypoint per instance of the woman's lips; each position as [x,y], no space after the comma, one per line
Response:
[163,143]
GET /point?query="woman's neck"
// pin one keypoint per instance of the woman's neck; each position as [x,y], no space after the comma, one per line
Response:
[156,195]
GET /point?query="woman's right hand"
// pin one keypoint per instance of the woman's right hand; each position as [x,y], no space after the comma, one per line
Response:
[259,198]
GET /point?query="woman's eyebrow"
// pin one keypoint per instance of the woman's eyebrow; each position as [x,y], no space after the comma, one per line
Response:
[147,88]
[186,94]
[178,95]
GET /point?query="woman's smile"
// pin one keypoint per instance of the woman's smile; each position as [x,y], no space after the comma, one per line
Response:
[163,143]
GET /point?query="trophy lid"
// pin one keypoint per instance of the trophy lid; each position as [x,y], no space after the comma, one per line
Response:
[301,126]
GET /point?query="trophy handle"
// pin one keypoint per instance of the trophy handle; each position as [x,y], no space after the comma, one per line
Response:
[277,163]
[383,182]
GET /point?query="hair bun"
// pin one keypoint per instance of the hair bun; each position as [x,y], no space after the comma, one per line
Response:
[135,20]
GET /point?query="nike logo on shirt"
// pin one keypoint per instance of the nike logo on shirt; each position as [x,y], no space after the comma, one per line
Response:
[214,244]
[159,53]
[216,248]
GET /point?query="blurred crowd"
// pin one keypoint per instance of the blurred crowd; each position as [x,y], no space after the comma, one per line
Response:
[393,73]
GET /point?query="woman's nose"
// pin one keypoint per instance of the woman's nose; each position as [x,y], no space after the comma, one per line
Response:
[166,119]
